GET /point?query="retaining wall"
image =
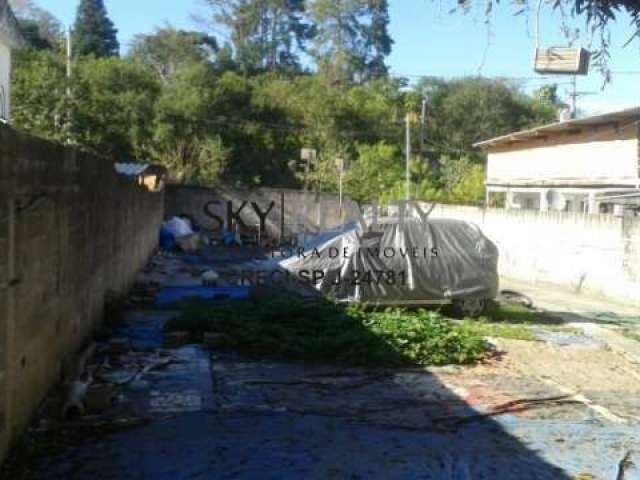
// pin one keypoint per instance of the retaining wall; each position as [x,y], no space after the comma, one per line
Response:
[71,230]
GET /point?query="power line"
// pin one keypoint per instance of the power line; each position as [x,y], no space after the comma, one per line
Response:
[506,77]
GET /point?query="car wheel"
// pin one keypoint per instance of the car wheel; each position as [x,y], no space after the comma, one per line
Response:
[470,307]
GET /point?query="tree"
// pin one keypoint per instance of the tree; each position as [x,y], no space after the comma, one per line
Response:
[30,31]
[185,138]
[168,50]
[376,172]
[378,42]
[464,111]
[94,33]
[38,26]
[110,111]
[40,105]
[351,39]
[266,34]
[113,107]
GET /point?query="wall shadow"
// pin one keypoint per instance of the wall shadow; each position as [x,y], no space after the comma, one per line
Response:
[387,405]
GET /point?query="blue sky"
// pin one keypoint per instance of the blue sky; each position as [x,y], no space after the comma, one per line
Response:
[430,41]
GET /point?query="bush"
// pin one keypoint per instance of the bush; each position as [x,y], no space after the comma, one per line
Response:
[287,328]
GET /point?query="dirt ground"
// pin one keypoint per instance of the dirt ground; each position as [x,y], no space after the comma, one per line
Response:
[564,407]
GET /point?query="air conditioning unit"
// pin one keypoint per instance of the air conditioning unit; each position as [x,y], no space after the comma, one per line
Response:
[562,61]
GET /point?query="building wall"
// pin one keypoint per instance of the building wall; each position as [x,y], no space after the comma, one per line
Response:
[71,230]
[597,254]
[598,157]
[5,74]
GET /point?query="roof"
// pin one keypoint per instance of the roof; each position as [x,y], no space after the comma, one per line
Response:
[9,31]
[130,169]
[620,118]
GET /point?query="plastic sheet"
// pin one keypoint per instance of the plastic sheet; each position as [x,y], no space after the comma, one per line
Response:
[179,227]
[170,295]
[404,262]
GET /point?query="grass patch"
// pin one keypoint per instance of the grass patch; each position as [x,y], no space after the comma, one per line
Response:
[513,321]
[488,328]
[632,334]
[514,313]
[325,332]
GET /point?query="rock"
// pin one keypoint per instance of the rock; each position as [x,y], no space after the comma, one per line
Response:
[176,339]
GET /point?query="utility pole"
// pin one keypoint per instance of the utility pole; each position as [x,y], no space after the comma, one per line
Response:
[69,54]
[69,75]
[408,161]
[341,167]
[423,121]
[574,94]
[574,97]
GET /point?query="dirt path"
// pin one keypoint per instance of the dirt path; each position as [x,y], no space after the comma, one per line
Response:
[615,324]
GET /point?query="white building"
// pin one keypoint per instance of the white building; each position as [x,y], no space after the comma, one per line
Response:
[585,165]
[10,38]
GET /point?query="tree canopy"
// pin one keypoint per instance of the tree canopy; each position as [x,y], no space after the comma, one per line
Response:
[266,34]
[168,50]
[215,115]
[94,33]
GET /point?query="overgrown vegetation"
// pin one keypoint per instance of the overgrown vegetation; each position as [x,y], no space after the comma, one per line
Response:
[513,321]
[633,334]
[294,75]
[288,328]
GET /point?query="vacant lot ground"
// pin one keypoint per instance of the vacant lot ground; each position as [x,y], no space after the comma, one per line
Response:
[557,404]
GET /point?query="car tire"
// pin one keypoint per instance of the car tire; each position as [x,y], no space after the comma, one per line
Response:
[470,307]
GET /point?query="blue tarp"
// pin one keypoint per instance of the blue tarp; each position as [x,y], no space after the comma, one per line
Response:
[170,295]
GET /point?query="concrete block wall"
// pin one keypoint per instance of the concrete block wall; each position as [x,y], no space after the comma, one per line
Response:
[631,232]
[71,230]
[596,254]
[322,211]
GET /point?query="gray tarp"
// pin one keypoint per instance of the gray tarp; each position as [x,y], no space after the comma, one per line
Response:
[401,262]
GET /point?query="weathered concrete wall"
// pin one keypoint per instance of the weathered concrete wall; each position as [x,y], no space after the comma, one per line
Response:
[631,234]
[588,253]
[321,212]
[71,229]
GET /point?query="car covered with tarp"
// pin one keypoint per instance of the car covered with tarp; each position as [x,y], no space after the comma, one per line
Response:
[408,261]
